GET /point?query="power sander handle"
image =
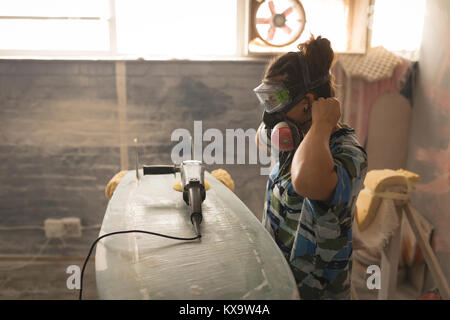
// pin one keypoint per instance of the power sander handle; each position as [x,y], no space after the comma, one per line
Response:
[160,169]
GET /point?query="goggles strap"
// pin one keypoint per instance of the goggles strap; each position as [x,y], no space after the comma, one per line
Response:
[294,102]
[308,84]
[305,69]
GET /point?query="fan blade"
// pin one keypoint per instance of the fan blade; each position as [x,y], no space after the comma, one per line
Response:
[272,8]
[271,34]
[288,11]
[262,21]
[287,29]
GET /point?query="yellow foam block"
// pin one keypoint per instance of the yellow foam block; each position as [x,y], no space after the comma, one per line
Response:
[224,177]
[177,185]
[220,174]
[364,202]
[376,182]
[112,184]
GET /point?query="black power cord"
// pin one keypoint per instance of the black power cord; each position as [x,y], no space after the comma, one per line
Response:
[80,297]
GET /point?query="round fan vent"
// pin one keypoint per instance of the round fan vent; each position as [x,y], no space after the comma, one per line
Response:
[279,22]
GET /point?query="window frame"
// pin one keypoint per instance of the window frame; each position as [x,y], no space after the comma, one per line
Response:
[243,27]
[52,54]
[358,12]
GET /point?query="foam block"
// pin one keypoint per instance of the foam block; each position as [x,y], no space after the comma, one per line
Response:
[376,182]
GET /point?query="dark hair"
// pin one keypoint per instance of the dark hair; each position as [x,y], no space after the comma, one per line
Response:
[319,56]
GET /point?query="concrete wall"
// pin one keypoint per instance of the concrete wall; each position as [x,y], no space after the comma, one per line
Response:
[60,135]
[429,149]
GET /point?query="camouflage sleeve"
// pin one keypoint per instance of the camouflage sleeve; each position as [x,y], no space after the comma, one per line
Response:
[350,163]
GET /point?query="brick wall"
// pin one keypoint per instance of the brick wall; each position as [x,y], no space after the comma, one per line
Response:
[60,137]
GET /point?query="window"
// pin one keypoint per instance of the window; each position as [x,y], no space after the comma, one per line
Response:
[343,22]
[54,26]
[397,25]
[175,28]
[202,28]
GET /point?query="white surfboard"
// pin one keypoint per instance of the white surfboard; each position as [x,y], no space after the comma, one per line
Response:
[236,257]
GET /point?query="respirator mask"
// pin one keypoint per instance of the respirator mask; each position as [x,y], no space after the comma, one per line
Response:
[277,100]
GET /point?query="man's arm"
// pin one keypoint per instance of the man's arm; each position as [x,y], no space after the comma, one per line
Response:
[312,169]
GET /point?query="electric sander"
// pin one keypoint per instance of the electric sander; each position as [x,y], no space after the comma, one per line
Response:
[193,185]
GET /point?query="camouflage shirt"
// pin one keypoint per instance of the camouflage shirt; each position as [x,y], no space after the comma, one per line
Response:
[316,236]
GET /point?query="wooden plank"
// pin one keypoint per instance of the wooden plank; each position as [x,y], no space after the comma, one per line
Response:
[428,253]
[390,256]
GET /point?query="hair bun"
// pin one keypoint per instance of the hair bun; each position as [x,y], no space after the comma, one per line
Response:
[318,53]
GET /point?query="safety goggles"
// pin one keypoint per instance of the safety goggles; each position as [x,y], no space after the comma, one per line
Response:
[275,96]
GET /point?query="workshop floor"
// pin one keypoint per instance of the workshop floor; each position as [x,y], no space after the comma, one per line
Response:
[46,280]
[43,280]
